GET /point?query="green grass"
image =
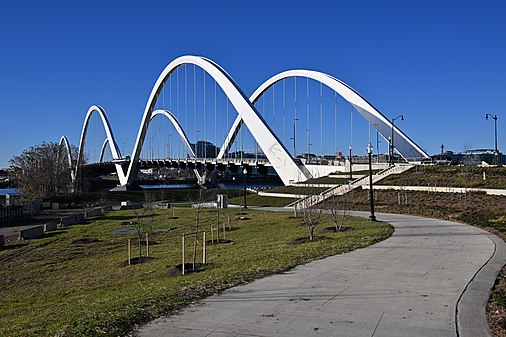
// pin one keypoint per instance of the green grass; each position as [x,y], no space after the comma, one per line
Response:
[323,180]
[60,286]
[263,201]
[172,195]
[297,190]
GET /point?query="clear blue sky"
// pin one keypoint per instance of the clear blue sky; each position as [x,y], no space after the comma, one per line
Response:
[440,63]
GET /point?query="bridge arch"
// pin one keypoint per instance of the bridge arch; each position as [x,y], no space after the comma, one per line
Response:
[177,126]
[288,169]
[116,154]
[404,145]
[282,161]
[65,143]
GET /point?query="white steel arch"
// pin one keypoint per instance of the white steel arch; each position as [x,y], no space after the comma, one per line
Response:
[177,126]
[404,145]
[65,142]
[116,155]
[102,151]
[286,167]
[182,135]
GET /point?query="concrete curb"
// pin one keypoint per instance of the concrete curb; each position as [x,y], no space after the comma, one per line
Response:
[471,317]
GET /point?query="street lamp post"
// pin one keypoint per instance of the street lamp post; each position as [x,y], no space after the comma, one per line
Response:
[392,137]
[245,172]
[494,117]
[372,217]
[351,170]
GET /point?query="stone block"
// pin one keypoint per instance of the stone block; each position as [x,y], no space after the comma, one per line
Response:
[31,233]
[50,226]
[69,220]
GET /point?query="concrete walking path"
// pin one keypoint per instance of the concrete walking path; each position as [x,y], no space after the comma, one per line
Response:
[431,278]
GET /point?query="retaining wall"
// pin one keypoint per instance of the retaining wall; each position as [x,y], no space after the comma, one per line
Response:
[68,220]
[31,233]
[51,226]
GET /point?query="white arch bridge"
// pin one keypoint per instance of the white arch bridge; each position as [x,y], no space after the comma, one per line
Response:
[289,168]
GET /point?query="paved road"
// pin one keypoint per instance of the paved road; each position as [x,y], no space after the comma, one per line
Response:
[431,278]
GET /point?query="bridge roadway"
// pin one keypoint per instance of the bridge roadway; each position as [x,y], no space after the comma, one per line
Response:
[431,278]
[191,163]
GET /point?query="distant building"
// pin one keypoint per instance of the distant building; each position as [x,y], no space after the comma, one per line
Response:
[205,149]
[470,157]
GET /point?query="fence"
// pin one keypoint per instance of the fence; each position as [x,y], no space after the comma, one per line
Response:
[10,212]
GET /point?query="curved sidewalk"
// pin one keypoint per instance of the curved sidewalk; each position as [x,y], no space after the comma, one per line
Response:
[431,278]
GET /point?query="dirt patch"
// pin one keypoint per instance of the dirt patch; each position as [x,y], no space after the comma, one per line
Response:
[136,260]
[305,239]
[188,269]
[332,229]
[216,242]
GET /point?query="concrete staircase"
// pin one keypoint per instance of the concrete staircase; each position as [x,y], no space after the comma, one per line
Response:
[312,200]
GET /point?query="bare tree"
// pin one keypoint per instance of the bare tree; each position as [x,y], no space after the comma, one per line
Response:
[202,197]
[310,215]
[43,171]
[144,219]
[337,211]
[339,207]
[468,161]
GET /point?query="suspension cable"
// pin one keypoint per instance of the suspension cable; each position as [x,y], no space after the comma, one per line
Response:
[195,107]
[204,143]
[335,123]
[215,124]
[177,112]
[284,112]
[321,122]
[186,103]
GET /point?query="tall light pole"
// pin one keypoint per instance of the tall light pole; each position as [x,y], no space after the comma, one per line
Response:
[392,143]
[351,171]
[372,217]
[245,172]
[494,117]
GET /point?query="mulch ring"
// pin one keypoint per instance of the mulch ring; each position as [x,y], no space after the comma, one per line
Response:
[332,229]
[188,269]
[215,242]
[305,239]
[136,260]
